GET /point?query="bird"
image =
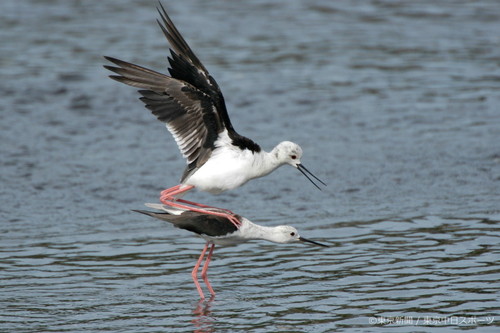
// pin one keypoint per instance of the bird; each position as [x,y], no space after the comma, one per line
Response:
[190,103]
[219,230]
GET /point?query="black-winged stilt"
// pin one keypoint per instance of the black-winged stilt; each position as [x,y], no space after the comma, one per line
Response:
[190,103]
[219,230]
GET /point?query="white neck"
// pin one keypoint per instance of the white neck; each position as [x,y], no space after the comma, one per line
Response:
[261,232]
[265,163]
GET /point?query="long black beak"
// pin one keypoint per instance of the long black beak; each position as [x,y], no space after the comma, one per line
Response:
[305,172]
[302,239]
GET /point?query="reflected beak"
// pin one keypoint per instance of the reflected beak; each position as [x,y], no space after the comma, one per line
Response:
[308,173]
[302,239]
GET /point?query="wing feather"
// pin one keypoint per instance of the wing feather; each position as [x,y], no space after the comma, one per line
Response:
[189,114]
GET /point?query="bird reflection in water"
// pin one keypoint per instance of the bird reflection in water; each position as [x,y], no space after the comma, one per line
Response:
[203,321]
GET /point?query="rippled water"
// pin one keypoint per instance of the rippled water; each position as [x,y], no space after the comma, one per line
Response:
[395,104]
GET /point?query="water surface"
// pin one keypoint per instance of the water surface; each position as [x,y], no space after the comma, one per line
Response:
[394,103]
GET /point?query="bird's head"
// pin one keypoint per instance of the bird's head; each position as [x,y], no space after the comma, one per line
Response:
[290,153]
[288,234]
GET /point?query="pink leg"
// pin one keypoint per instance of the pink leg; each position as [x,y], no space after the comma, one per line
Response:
[170,193]
[194,273]
[205,206]
[205,268]
[168,198]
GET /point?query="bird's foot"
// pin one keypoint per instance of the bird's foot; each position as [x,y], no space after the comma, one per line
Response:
[233,218]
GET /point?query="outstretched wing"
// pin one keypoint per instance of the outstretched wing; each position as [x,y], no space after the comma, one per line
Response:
[189,114]
[189,101]
[185,66]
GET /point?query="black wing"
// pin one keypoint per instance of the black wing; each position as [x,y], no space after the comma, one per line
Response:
[189,101]
[188,113]
[185,66]
[199,223]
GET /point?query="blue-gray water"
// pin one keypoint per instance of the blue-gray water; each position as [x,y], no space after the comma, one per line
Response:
[395,103]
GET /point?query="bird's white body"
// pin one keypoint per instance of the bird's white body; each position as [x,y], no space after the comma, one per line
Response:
[230,167]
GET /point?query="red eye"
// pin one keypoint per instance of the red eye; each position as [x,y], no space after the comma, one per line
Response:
[293,157]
